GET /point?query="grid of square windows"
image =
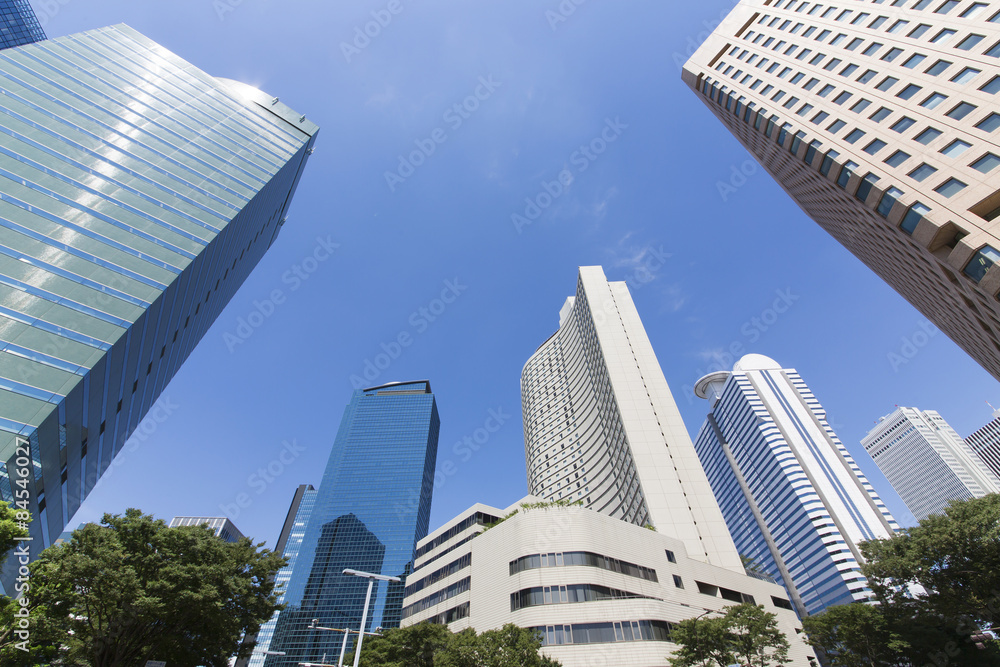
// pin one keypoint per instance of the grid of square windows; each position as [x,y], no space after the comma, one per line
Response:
[946,102]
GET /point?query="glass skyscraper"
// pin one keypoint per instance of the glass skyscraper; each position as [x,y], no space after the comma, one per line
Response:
[372,506]
[289,545]
[794,499]
[136,195]
[18,24]
[927,462]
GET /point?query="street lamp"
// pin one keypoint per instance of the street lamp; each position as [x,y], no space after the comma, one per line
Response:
[372,578]
[343,647]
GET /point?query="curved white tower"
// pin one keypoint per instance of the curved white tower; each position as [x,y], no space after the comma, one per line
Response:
[795,500]
[601,426]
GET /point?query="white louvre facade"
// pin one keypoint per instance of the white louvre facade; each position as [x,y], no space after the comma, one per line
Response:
[985,442]
[794,499]
[927,462]
[601,425]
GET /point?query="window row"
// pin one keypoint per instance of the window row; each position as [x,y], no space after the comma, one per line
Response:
[604,633]
[436,576]
[440,596]
[864,19]
[972,11]
[479,518]
[451,615]
[568,594]
[581,558]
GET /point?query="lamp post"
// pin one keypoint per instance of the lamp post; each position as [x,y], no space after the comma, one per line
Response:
[343,647]
[372,578]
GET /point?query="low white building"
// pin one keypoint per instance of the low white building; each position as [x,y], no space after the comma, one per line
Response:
[603,592]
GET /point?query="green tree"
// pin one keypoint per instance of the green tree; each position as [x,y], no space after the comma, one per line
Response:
[747,634]
[414,646]
[429,645]
[701,642]
[133,590]
[510,646]
[856,635]
[954,556]
[937,585]
[13,615]
[39,646]
[754,636]
[11,528]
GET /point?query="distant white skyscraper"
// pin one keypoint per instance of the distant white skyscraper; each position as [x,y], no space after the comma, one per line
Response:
[986,444]
[220,525]
[927,462]
[793,497]
[601,426]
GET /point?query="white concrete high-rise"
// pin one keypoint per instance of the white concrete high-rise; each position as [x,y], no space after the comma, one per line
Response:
[985,442]
[881,119]
[795,501]
[927,462]
[601,426]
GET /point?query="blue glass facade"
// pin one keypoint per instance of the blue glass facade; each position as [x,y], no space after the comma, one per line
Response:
[136,195]
[794,499]
[372,507]
[289,545]
[18,24]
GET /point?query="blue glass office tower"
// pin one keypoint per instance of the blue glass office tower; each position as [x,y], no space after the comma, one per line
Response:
[794,499]
[372,507]
[136,195]
[18,24]
[289,545]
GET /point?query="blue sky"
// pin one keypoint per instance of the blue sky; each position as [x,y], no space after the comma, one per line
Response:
[508,105]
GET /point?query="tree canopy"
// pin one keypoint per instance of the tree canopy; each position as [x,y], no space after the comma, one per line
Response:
[431,645]
[953,556]
[746,634]
[132,590]
[12,526]
[937,587]
[855,635]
